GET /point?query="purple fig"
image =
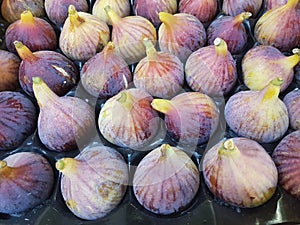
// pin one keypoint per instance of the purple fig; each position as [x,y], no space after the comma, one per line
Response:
[9,71]
[270,4]
[236,7]
[292,102]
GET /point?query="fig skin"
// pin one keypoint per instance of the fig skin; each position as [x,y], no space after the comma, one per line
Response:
[57,10]
[128,120]
[190,118]
[270,4]
[9,71]
[161,74]
[12,9]
[205,10]
[100,189]
[262,64]
[180,34]
[60,73]
[235,7]
[231,29]
[64,123]
[286,156]
[150,9]
[240,172]
[211,70]
[166,180]
[258,115]
[83,35]
[18,119]
[292,102]
[105,74]
[36,33]
[26,182]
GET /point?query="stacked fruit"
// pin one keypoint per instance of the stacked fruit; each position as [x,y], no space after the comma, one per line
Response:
[144,76]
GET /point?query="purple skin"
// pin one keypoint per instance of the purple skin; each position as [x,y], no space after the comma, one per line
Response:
[26,182]
[292,102]
[18,119]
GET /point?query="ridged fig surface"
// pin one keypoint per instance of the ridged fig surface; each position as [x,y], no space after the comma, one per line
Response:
[235,7]
[9,71]
[292,102]
[270,4]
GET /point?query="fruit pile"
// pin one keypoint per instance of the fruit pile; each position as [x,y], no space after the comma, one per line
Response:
[166,110]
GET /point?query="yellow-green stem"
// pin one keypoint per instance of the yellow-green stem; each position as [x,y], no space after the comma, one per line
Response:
[292,3]
[112,15]
[75,19]
[167,18]
[150,49]
[241,17]
[3,164]
[67,166]
[293,60]
[162,105]
[220,46]
[228,147]
[27,17]
[126,99]
[24,52]
[166,151]
[272,90]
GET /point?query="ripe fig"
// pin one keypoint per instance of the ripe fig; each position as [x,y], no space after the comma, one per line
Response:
[166,180]
[60,73]
[12,9]
[150,9]
[128,120]
[26,182]
[9,71]
[231,30]
[286,156]
[82,35]
[94,182]
[18,119]
[262,64]
[273,26]
[128,34]
[204,10]
[36,33]
[57,10]
[106,73]
[121,7]
[64,123]
[258,115]
[270,4]
[161,74]
[240,172]
[180,34]
[190,118]
[292,102]
[211,69]
[236,7]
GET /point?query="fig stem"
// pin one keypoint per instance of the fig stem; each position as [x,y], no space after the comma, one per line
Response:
[293,60]
[228,148]
[150,49]
[3,164]
[162,105]
[66,166]
[241,17]
[125,99]
[27,17]
[75,19]
[272,90]
[167,18]
[220,46]
[112,15]
[292,3]
[166,151]
[24,52]
[42,92]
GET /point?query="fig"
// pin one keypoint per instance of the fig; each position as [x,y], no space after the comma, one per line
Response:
[236,7]
[292,102]
[59,72]
[240,172]
[166,180]
[204,10]
[106,73]
[18,119]
[9,71]
[274,25]
[270,4]
[161,74]
[57,10]
[258,115]
[94,182]
[121,7]
[36,33]
[128,34]
[286,156]
[190,118]
[82,35]
[12,9]
[232,30]
[150,9]
[128,120]
[262,64]
[211,69]
[26,182]
[64,123]
[180,34]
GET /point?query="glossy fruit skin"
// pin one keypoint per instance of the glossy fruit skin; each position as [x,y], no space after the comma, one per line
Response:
[286,156]
[100,189]
[9,71]
[133,123]
[235,7]
[57,10]
[234,178]
[18,117]
[166,183]
[27,183]
[38,35]
[60,73]
[292,102]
